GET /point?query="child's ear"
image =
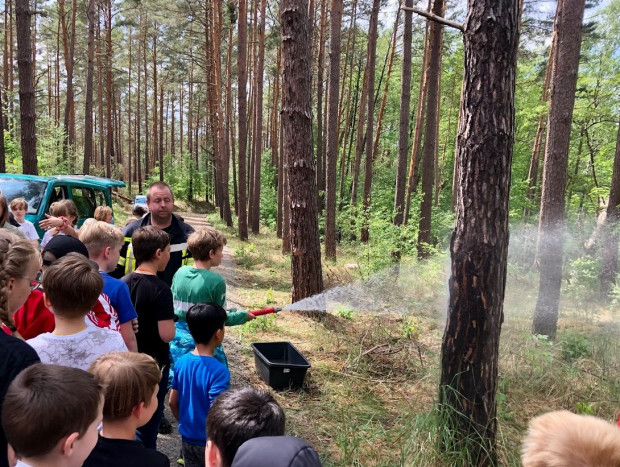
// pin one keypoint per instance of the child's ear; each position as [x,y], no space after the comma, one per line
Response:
[46,301]
[67,444]
[137,410]
[211,253]
[106,252]
[158,253]
[212,455]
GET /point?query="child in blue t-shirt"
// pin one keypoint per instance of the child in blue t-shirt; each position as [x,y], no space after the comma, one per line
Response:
[198,379]
[103,242]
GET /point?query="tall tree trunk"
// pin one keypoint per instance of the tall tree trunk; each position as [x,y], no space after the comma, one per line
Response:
[243,129]
[433,78]
[258,135]
[100,90]
[565,67]
[403,120]
[90,72]
[306,272]
[413,175]
[129,112]
[2,150]
[479,246]
[27,109]
[155,106]
[109,91]
[371,64]
[611,235]
[331,158]
[532,175]
[68,40]
[139,111]
[320,62]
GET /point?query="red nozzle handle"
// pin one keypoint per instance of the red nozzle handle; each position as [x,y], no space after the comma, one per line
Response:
[265,311]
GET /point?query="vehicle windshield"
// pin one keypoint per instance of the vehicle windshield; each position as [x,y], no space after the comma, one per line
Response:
[32,191]
[140,200]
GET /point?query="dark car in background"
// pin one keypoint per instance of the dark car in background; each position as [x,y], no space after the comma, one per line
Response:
[86,191]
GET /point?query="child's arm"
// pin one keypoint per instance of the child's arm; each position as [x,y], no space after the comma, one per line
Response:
[129,336]
[166,329]
[235,318]
[174,403]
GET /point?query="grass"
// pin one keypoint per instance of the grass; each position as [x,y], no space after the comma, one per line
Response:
[370,397]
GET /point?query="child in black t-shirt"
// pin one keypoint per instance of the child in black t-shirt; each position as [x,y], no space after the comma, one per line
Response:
[152,300]
[131,381]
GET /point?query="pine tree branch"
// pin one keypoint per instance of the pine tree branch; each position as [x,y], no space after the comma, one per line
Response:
[433,17]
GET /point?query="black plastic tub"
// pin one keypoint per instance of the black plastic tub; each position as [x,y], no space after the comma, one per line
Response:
[280,364]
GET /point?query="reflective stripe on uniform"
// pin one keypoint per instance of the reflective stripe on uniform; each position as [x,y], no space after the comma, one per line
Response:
[178,247]
[183,306]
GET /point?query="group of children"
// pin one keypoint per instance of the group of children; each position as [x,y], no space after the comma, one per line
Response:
[78,318]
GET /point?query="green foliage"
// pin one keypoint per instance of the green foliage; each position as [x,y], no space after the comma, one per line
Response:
[345,312]
[574,346]
[265,323]
[268,191]
[586,408]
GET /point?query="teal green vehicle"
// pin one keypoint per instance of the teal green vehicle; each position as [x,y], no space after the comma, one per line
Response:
[86,191]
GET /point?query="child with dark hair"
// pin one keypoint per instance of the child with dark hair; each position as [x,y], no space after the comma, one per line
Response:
[131,381]
[51,415]
[198,379]
[72,286]
[152,299]
[237,416]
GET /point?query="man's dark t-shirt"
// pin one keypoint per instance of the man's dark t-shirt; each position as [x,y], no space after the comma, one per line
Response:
[15,355]
[178,232]
[124,453]
[152,299]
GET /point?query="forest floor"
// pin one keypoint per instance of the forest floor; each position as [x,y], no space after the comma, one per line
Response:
[369,398]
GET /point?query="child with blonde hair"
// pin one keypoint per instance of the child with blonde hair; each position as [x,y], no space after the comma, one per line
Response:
[199,284]
[19,263]
[103,242]
[19,208]
[103,213]
[62,220]
[131,381]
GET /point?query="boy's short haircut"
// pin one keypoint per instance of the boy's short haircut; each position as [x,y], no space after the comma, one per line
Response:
[46,403]
[146,241]
[238,415]
[98,235]
[18,203]
[203,320]
[203,240]
[128,378]
[72,284]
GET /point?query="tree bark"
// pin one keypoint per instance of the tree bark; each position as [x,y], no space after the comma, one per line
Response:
[306,272]
[27,111]
[403,120]
[433,79]
[331,158]
[88,105]
[258,134]
[243,129]
[371,65]
[550,246]
[611,235]
[479,246]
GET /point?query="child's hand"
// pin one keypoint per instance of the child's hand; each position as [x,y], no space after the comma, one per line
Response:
[135,325]
[250,316]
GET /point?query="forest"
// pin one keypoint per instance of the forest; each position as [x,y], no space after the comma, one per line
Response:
[351,126]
